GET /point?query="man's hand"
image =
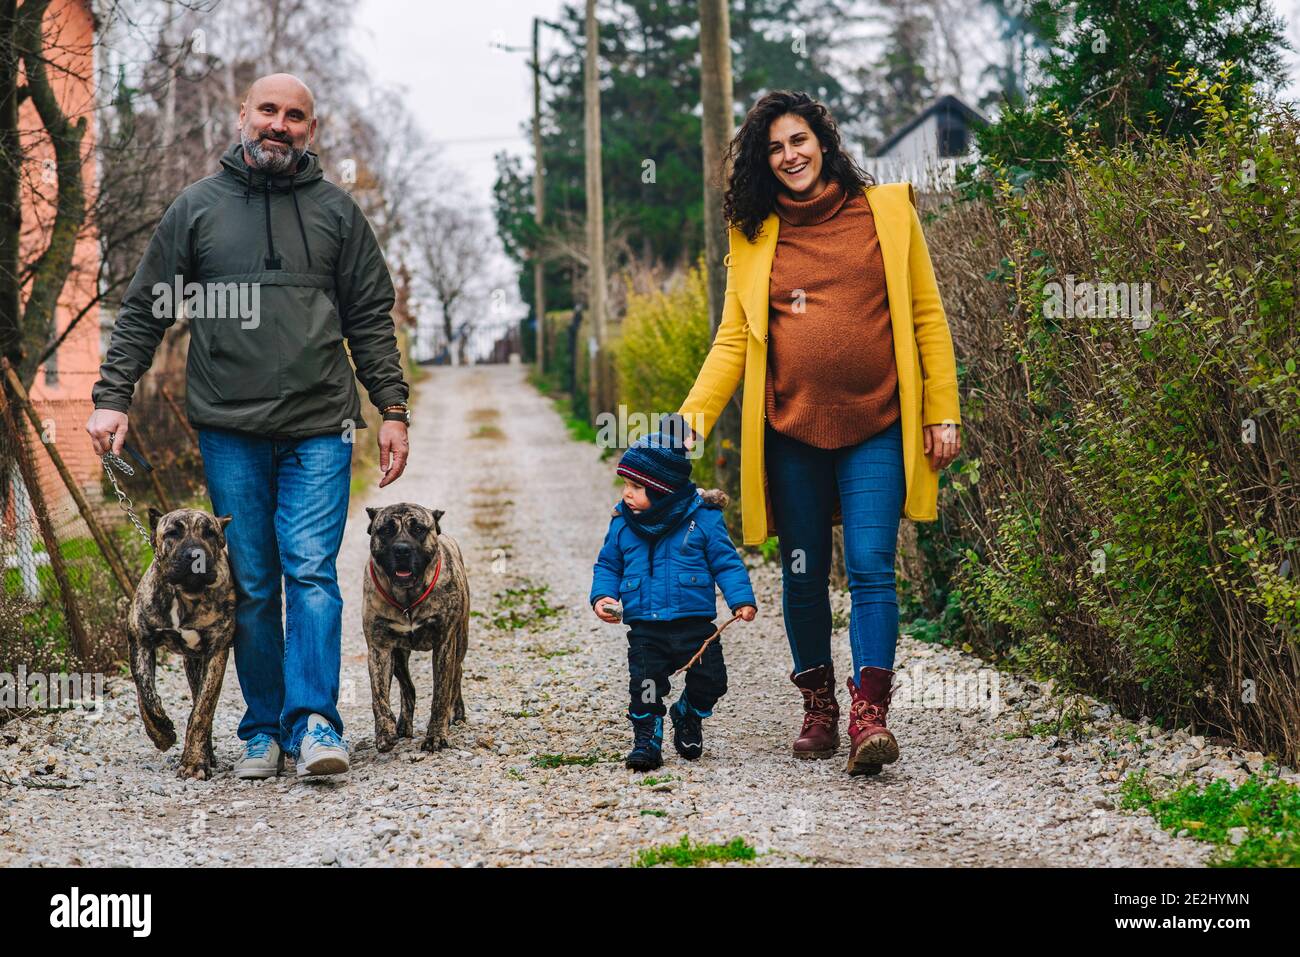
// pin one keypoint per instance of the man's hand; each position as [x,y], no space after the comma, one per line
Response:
[746,612]
[603,615]
[942,443]
[107,429]
[393,450]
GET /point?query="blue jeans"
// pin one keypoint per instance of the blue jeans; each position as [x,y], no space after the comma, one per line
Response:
[288,500]
[803,481]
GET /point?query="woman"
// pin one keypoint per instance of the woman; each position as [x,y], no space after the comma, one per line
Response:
[832,316]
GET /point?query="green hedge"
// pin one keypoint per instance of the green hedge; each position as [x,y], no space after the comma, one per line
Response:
[1127,497]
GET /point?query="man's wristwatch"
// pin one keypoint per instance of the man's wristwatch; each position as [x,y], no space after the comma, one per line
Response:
[397,413]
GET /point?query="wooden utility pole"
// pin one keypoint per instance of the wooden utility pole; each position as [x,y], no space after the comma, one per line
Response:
[718,124]
[595,214]
[539,200]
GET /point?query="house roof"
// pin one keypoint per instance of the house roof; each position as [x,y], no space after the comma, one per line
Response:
[945,103]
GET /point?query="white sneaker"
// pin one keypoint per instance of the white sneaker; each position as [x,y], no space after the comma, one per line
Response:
[322,750]
[262,758]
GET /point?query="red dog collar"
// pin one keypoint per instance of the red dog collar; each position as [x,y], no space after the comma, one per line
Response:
[405,610]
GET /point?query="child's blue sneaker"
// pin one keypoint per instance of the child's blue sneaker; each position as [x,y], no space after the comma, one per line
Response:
[688,729]
[647,742]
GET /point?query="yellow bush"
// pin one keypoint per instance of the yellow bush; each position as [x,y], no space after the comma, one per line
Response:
[664,340]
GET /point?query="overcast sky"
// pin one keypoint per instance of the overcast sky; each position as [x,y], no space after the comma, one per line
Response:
[468,97]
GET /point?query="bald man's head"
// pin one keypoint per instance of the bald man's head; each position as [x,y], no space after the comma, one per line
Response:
[277,122]
[281,85]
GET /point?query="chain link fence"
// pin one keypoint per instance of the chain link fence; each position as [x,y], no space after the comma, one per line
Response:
[65,609]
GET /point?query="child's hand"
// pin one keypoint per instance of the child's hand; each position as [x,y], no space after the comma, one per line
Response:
[603,614]
[746,612]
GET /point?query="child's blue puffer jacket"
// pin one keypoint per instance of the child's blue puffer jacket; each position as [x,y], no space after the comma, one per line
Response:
[688,562]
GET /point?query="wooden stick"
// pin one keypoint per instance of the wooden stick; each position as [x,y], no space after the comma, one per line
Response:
[111,555]
[708,641]
[27,468]
[180,416]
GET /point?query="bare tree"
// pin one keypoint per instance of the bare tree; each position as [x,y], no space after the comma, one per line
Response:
[55,182]
[453,245]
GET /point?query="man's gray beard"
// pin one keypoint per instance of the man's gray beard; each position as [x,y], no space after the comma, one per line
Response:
[269,161]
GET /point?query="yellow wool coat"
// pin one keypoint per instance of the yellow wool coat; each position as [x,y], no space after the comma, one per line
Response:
[923,353]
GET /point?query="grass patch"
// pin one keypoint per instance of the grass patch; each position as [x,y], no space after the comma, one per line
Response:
[487,432]
[770,549]
[523,607]
[650,812]
[1254,825]
[525,713]
[548,654]
[514,774]
[1071,722]
[569,760]
[651,781]
[686,853]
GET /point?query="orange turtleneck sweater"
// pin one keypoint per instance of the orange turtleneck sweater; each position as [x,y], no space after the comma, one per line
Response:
[831,376]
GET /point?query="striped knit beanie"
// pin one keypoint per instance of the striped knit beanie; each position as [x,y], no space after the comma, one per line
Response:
[658,462]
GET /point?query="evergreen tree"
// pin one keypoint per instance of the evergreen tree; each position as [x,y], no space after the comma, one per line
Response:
[1109,69]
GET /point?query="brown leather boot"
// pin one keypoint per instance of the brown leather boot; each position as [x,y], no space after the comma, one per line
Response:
[872,744]
[821,713]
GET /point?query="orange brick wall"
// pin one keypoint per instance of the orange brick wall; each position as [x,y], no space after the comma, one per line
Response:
[65,406]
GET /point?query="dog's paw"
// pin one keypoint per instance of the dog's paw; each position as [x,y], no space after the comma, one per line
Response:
[198,771]
[385,741]
[163,738]
[435,743]
[404,728]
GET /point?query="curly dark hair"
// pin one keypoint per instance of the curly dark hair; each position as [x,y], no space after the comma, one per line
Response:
[752,188]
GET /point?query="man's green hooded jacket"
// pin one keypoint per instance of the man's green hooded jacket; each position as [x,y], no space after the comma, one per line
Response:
[275,274]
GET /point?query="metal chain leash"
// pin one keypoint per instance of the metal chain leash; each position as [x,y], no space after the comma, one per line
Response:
[111,462]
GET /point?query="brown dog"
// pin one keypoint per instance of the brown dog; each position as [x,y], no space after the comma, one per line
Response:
[185,602]
[416,598]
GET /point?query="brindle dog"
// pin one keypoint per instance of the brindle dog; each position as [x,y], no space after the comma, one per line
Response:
[416,598]
[185,602]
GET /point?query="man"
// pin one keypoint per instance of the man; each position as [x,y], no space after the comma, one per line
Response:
[275,268]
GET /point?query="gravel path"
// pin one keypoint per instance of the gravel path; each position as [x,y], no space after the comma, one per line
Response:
[530,507]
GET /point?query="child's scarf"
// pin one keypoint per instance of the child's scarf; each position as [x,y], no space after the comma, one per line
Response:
[661,517]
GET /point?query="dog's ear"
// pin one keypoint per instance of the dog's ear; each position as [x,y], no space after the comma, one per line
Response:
[155,517]
[437,514]
[372,512]
[222,522]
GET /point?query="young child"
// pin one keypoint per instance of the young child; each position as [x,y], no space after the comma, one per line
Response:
[666,546]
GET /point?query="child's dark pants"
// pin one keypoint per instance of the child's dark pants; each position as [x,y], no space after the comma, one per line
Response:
[655,649]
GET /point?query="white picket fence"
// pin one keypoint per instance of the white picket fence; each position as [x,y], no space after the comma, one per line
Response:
[930,175]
